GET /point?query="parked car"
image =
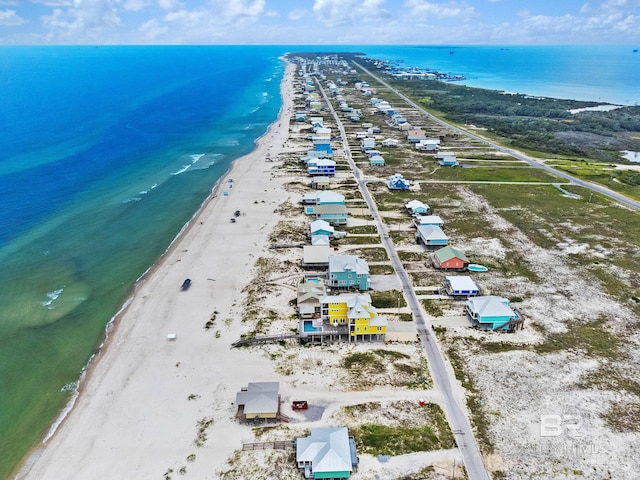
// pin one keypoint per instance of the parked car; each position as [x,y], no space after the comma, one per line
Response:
[186,284]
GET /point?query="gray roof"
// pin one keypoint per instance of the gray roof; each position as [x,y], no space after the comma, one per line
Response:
[345,262]
[431,232]
[490,306]
[462,283]
[260,397]
[331,208]
[316,254]
[327,449]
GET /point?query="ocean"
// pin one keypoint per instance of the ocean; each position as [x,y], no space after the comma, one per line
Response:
[599,73]
[106,152]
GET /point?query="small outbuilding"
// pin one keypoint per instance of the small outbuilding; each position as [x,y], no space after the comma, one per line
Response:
[259,401]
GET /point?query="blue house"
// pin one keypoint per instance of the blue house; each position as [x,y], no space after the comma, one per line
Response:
[458,286]
[321,166]
[396,182]
[492,313]
[376,161]
[416,207]
[348,271]
[431,236]
[320,227]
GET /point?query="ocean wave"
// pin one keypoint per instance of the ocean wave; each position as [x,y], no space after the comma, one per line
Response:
[52,298]
[195,157]
[182,170]
[131,199]
[144,192]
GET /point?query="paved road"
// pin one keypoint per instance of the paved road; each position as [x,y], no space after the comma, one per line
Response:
[514,153]
[454,412]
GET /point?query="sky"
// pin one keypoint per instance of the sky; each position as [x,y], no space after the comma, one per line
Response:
[328,22]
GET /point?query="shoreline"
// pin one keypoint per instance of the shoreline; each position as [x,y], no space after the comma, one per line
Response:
[209,206]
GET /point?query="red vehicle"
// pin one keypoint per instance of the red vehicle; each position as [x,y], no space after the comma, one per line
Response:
[299,405]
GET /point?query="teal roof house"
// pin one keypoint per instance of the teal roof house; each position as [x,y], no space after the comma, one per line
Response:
[348,271]
[492,313]
[320,227]
[327,453]
[416,207]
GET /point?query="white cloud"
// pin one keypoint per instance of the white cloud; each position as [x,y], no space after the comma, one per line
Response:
[153,30]
[297,14]
[170,4]
[348,12]
[452,9]
[136,5]
[9,18]
[83,21]
[54,3]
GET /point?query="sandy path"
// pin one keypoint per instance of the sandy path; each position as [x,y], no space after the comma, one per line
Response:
[134,418]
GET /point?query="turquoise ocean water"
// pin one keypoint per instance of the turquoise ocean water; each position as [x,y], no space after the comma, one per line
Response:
[106,152]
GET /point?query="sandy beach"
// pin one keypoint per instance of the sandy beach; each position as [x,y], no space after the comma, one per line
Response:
[138,410]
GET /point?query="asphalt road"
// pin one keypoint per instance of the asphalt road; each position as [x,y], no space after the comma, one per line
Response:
[442,376]
[514,153]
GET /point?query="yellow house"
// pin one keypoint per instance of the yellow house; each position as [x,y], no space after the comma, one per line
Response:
[356,312]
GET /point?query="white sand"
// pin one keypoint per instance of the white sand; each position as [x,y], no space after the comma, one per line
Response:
[133,418]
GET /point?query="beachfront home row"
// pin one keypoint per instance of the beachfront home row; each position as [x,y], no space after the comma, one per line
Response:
[327,453]
[492,313]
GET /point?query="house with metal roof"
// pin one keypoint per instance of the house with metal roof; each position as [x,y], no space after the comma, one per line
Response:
[376,161]
[308,299]
[332,213]
[320,227]
[460,286]
[353,315]
[416,207]
[327,453]
[428,220]
[316,256]
[348,271]
[397,182]
[449,258]
[321,166]
[431,236]
[259,401]
[492,313]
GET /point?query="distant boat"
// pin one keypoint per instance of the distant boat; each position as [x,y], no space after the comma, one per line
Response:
[451,52]
[635,50]
[186,284]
